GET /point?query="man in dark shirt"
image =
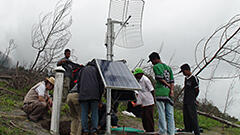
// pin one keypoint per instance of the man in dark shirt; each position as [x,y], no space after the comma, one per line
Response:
[66,64]
[191,91]
[90,87]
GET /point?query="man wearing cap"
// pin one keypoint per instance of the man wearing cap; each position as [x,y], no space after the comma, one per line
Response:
[164,94]
[191,91]
[145,98]
[37,100]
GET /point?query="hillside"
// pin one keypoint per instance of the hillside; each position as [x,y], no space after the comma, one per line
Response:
[13,120]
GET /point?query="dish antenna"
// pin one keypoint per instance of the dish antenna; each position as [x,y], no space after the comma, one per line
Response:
[124,29]
[124,25]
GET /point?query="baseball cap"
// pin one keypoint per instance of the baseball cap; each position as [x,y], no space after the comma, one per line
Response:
[153,55]
[184,67]
[138,71]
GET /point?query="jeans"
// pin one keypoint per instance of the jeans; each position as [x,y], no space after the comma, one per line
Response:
[84,115]
[166,118]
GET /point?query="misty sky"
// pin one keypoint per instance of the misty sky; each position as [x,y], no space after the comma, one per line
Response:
[179,24]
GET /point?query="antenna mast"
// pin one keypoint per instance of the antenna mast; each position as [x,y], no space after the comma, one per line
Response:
[128,15]
[110,39]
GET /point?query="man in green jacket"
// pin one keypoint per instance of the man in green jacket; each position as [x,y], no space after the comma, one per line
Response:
[164,94]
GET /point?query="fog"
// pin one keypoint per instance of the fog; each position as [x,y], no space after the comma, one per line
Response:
[178,24]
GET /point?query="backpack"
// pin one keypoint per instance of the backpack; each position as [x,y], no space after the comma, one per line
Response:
[75,75]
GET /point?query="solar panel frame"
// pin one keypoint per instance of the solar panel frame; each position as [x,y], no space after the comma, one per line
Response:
[109,86]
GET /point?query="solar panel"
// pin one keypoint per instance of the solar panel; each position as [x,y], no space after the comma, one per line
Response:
[116,75]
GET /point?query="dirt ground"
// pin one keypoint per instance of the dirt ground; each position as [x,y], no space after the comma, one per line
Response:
[19,119]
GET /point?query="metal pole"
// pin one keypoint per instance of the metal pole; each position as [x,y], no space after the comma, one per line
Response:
[108,112]
[109,45]
[57,98]
[110,39]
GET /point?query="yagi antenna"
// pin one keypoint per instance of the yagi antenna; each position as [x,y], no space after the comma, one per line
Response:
[124,25]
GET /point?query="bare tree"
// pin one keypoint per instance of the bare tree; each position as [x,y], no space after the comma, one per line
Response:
[73,56]
[4,57]
[212,74]
[229,100]
[220,51]
[51,35]
[229,97]
[222,47]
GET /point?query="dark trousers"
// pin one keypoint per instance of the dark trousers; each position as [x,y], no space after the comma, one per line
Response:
[35,110]
[147,118]
[190,118]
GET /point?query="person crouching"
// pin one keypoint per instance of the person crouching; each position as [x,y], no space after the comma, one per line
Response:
[37,101]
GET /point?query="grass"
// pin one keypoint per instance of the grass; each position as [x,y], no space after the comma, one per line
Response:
[9,101]
[122,106]
[7,128]
[2,84]
[178,117]
[207,124]
[232,131]
[65,109]
[204,122]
